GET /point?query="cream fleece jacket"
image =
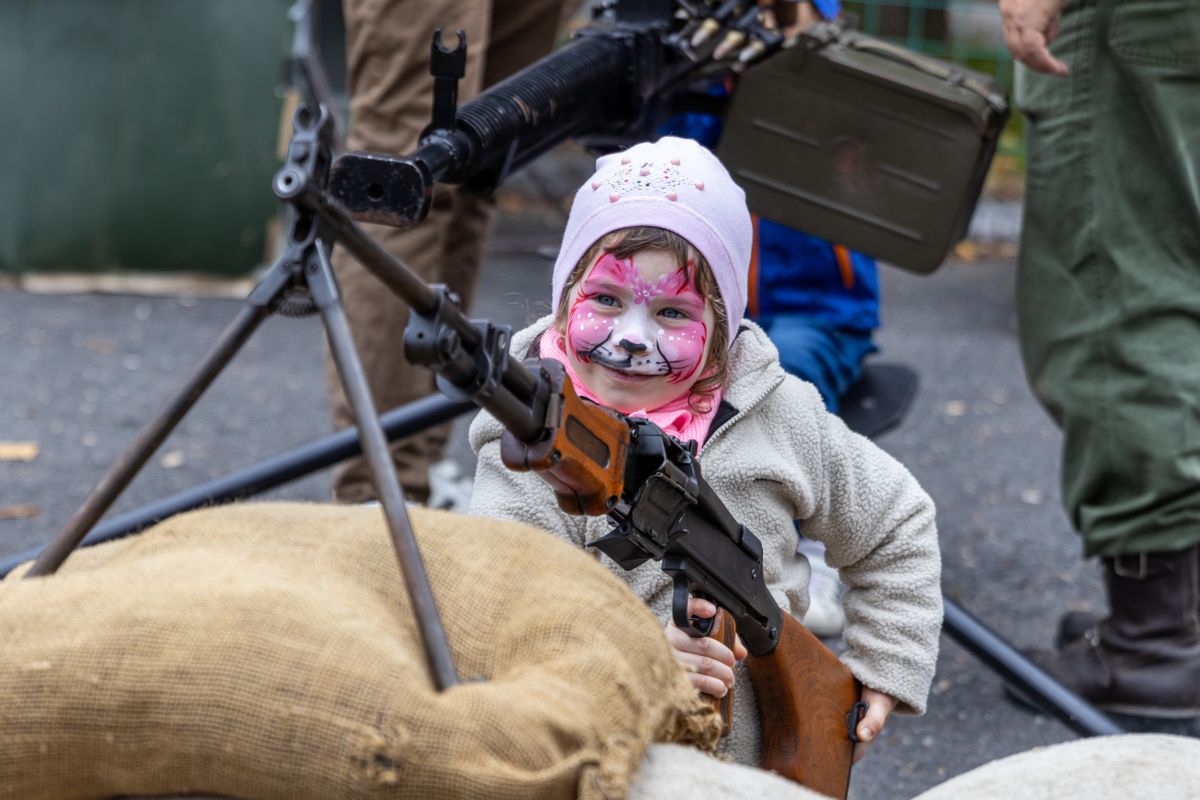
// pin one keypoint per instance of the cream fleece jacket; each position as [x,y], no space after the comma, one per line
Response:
[780,458]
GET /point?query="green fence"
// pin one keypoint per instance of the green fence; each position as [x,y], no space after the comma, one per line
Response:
[139,135]
[967,32]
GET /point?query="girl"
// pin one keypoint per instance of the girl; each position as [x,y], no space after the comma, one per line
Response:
[649,290]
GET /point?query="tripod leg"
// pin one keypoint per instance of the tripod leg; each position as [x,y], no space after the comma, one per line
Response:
[156,431]
[321,282]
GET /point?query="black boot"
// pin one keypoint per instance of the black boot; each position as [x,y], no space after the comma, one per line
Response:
[1144,659]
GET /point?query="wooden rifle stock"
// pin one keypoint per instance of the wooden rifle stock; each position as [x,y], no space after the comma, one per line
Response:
[582,456]
[724,630]
[807,705]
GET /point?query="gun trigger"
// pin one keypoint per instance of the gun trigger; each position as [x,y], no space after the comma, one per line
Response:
[853,717]
[692,626]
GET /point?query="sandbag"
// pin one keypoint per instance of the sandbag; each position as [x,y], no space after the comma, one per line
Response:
[1103,768]
[268,651]
[1108,768]
[671,770]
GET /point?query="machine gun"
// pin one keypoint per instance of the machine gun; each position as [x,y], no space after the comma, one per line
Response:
[608,82]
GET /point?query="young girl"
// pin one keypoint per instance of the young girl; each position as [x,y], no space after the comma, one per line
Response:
[648,291]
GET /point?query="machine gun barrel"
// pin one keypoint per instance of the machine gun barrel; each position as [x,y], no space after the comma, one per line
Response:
[583,86]
[586,86]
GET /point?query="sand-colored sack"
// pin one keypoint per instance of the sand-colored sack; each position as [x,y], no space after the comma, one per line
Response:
[267,651]
[1123,767]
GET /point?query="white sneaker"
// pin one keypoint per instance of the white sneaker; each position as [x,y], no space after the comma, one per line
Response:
[449,488]
[825,616]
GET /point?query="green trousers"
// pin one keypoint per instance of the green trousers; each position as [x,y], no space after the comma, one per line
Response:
[1109,272]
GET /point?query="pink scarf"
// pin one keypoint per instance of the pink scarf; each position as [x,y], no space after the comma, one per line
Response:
[675,417]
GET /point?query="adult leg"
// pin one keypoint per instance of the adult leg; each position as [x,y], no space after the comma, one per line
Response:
[391,100]
[521,33]
[391,93]
[1109,300]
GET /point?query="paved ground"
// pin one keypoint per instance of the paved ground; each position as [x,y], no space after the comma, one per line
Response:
[82,372]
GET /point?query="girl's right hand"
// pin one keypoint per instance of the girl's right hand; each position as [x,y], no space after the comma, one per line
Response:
[709,663]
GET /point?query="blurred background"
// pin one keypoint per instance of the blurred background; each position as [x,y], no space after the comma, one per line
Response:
[148,132]
[136,208]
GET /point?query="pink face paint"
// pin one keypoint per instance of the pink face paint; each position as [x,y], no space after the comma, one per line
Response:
[623,321]
[587,327]
[683,349]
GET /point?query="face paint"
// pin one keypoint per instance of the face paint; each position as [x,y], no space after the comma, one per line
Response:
[623,320]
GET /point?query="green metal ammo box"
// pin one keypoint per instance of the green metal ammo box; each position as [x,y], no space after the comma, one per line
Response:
[865,144]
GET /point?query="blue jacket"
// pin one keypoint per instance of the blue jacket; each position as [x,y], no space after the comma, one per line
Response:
[800,275]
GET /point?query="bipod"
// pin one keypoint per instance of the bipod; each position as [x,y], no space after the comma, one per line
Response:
[300,282]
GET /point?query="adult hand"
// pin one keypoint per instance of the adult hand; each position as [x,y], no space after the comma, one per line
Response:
[1029,28]
[794,17]
[709,663]
[879,708]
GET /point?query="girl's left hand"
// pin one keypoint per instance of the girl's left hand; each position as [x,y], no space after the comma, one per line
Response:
[879,707]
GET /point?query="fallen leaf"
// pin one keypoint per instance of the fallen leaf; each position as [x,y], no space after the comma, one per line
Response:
[99,345]
[23,511]
[18,451]
[172,459]
[966,250]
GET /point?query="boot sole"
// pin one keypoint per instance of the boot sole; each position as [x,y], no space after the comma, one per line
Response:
[1173,727]
[1153,712]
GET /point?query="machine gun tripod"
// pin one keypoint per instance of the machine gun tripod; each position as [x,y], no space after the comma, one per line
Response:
[300,282]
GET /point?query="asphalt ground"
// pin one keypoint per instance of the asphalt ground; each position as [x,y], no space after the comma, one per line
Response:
[82,372]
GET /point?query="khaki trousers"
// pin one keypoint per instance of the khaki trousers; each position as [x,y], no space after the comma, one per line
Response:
[391,102]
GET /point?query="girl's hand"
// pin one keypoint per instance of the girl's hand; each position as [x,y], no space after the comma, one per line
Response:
[879,707]
[709,663]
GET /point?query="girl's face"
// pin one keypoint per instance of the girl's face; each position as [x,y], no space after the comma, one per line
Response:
[637,330]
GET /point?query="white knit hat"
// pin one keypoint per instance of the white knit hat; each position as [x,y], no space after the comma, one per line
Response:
[675,184]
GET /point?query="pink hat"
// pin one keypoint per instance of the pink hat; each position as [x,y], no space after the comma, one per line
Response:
[675,184]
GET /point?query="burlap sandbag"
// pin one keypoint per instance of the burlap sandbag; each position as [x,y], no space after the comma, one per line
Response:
[267,651]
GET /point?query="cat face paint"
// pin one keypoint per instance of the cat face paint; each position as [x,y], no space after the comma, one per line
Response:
[638,327]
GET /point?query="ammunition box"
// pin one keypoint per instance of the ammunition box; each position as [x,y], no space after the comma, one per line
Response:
[864,143]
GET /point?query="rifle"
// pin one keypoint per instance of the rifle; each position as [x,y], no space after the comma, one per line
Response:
[650,485]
